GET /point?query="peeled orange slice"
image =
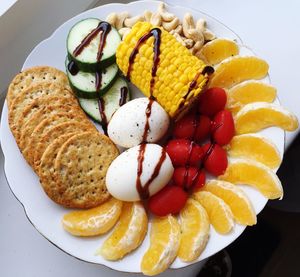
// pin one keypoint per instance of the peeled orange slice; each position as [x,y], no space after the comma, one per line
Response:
[257,116]
[256,147]
[95,221]
[219,213]
[218,50]
[237,69]
[252,173]
[194,231]
[164,244]
[249,92]
[235,198]
[128,234]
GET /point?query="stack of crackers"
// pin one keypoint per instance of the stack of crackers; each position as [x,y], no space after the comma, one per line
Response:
[57,139]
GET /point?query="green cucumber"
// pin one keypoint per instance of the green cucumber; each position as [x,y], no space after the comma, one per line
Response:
[111,101]
[84,83]
[87,59]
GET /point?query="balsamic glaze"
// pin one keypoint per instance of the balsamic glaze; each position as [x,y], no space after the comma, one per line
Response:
[98,79]
[123,96]
[73,68]
[156,33]
[103,28]
[144,190]
[101,106]
[207,70]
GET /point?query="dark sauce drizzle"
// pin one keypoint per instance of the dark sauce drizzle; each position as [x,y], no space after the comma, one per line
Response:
[206,154]
[207,70]
[156,33]
[123,96]
[103,28]
[144,190]
[73,68]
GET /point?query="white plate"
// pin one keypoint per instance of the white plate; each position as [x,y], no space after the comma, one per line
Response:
[46,215]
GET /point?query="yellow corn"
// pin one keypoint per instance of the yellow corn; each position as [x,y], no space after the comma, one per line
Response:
[176,70]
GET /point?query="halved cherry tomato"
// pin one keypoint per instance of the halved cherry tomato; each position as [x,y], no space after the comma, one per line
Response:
[192,126]
[184,152]
[169,200]
[223,127]
[212,101]
[215,159]
[189,177]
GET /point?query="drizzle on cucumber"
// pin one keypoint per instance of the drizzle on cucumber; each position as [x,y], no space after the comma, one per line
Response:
[103,28]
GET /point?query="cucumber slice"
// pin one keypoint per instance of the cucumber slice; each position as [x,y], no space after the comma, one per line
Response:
[87,59]
[84,83]
[111,101]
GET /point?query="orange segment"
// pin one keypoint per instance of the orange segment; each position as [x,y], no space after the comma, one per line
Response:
[235,198]
[164,244]
[257,116]
[128,234]
[95,221]
[249,92]
[194,231]
[237,69]
[249,172]
[255,147]
[219,213]
[218,50]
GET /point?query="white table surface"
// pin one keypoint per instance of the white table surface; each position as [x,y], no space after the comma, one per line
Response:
[269,27]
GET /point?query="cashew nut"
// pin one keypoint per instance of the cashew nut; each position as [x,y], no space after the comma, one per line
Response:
[189,43]
[130,21]
[147,16]
[156,19]
[195,35]
[197,47]
[201,25]
[168,26]
[112,19]
[179,38]
[208,35]
[121,18]
[166,16]
[124,32]
[188,24]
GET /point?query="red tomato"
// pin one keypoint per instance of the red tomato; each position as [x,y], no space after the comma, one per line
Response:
[215,159]
[192,126]
[169,200]
[189,177]
[200,180]
[184,152]
[223,127]
[212,101]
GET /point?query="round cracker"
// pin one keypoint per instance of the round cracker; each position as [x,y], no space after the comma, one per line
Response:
[26,97]
[34,75]
[42,108]
[44,126]
[55,132]
[46,168]
[80,169]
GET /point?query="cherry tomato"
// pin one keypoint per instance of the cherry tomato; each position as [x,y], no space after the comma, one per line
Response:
[184,152]
[215,159]
[212,101]
[189,177]
[169,200]
[223,127]
[192,126]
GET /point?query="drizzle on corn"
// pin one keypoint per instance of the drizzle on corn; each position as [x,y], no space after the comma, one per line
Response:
[176,70]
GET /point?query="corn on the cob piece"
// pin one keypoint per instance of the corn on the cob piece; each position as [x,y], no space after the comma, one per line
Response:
[177,69]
